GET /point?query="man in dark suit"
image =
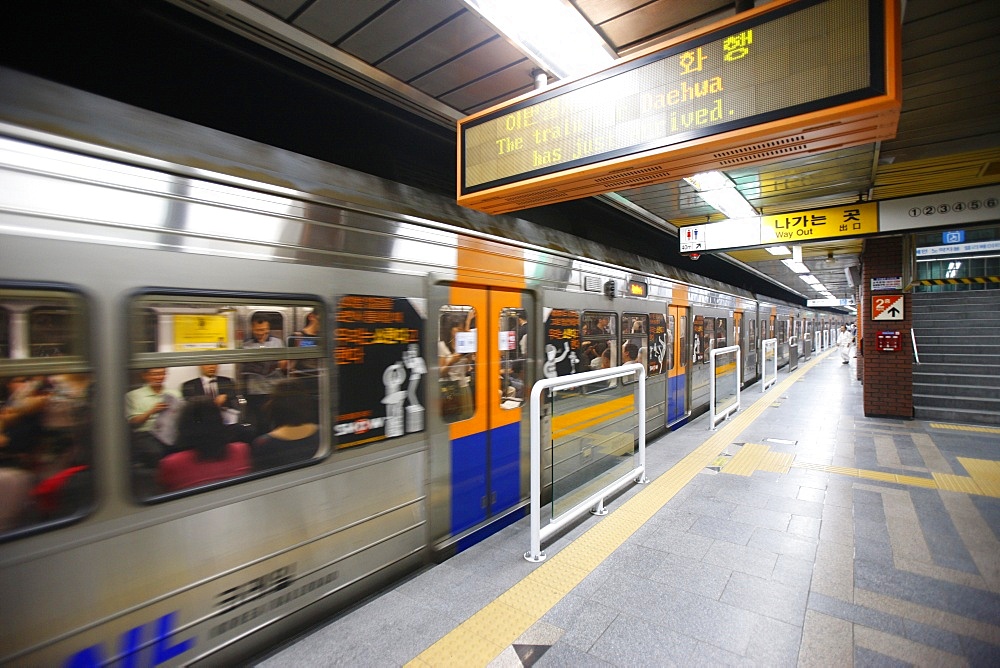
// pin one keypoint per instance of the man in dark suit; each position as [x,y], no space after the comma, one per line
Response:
[209,384]
[224,391]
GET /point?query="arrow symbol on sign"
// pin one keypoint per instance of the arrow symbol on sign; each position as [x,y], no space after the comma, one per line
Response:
[893,311]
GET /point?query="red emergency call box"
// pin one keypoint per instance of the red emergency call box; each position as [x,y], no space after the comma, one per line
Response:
[888,341]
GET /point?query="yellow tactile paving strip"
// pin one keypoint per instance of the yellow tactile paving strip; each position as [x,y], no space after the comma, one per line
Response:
[965,427]
[983,478]
[984,473]
[482,637]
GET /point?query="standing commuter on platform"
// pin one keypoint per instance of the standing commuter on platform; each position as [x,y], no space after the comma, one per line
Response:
[844,339]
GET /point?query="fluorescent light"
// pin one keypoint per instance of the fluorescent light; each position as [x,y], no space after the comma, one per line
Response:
[719,192]
[809,278]
[551,32]
[797,267]
[778,250]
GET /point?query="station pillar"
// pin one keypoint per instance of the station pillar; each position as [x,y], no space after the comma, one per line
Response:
[887,375]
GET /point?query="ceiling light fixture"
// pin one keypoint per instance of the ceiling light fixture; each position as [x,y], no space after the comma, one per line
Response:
[797,267]
[550,32]
[719,192]
[778,250]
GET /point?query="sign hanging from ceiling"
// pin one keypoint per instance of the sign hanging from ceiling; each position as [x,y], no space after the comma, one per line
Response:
[852,220]
[789,78]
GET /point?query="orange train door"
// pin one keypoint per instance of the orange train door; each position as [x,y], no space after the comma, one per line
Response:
[483,345]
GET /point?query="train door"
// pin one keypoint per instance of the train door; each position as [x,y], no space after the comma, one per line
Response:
[484,337]
[678,318]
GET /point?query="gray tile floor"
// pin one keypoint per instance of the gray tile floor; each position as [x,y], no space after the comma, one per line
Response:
[809,567]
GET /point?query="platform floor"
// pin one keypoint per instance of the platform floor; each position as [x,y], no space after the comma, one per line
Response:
[799,532]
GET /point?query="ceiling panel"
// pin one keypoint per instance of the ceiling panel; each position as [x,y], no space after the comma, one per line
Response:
[949,128]
[331,20]
[449,41]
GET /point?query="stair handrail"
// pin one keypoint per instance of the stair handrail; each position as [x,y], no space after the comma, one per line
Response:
[913,339]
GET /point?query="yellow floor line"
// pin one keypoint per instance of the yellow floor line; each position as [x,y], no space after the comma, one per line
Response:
[482,637]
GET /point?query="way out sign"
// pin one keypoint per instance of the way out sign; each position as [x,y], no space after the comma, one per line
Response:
[887,307]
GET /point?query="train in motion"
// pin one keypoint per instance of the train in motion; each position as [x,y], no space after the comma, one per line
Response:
[243,389]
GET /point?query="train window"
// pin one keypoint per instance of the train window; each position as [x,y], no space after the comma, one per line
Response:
[683,331]
[704,339]
[635,346]
[513,345]
[752,334]
[782,332]
[49,331]
[599,343]
[660,350]
[46,404]
[562,343]
[217,392]
[721,333]
[381,365]
[457,347]
[599,340]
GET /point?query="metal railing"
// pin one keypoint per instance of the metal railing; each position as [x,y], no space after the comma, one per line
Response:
[766,380]
[724,401]
[595,501]
[913,340]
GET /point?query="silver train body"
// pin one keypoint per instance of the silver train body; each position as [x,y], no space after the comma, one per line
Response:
[131,242]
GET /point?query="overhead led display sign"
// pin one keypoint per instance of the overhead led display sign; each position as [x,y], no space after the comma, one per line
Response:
[789,78]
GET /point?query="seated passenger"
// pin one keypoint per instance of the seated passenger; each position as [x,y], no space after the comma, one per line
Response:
[292,408]
[65,482]
[151,412]
[207,456]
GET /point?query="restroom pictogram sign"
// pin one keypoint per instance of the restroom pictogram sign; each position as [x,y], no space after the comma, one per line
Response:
[887,307]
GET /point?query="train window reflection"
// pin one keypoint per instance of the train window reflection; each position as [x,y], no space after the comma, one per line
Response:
[513,344]
[683,330]
[244,401]
[457,347]
[635,337]
[599,343]
[45,409]
[660,350]
[49,331]
[721,333]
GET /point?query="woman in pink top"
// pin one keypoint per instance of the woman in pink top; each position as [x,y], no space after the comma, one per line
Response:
[207,457]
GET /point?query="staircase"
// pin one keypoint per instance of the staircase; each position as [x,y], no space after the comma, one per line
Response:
[958,340]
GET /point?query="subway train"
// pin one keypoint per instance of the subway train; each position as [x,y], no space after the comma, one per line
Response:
[243,389]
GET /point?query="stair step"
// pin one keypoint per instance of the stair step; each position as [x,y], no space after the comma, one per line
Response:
[952,379]
[967,391]
[958,357]
[967,369]
[951,402]
[956,415]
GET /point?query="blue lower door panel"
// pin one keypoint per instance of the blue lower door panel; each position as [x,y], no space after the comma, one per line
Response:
[505,466]
[676,393]
[468,482]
